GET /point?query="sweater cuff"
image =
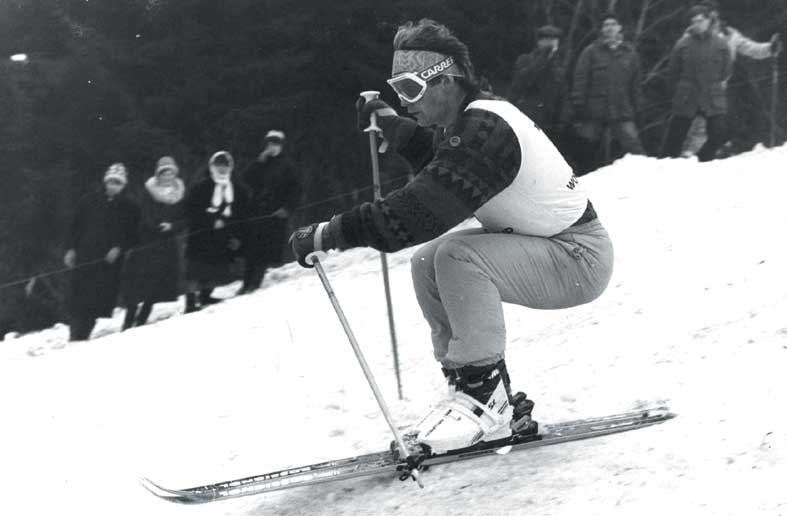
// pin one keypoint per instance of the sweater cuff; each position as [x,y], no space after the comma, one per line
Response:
[333,238]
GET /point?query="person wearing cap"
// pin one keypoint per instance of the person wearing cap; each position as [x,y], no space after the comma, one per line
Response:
[216,211]
[153,271]
[275,191]
[607,93]
[538,242]
[538,86]
[699,67]
[738,45]
[104,227]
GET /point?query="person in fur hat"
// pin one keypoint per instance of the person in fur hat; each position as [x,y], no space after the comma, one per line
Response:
[153,269]
[104,227]
[216,210]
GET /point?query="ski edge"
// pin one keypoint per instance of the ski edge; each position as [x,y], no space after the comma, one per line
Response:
[248,486]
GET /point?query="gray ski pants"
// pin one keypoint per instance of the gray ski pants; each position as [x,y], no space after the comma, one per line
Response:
[462,278]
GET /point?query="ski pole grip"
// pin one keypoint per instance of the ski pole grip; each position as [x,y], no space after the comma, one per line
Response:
[314,257]
[368,96]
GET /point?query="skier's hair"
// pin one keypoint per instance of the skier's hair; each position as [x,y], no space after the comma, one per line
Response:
[427,34]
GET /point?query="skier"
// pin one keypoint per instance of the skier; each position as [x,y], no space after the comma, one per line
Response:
[540,244]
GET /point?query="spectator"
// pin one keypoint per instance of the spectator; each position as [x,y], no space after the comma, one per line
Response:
[275,192]
[153,269]
[538,87]
[738,44]
[103,228]
[606,93]
[699,67]
[216,209]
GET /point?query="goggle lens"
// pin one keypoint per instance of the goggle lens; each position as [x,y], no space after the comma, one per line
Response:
[407,88]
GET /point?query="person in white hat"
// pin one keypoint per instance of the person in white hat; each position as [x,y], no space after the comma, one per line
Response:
[153,269]
[104,227]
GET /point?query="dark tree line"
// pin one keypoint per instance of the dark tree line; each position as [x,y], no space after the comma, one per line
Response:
[132,80]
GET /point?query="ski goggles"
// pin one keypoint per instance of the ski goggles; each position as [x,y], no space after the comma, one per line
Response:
[411,86]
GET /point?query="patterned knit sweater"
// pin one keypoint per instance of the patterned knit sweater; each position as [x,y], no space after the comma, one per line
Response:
[461,169]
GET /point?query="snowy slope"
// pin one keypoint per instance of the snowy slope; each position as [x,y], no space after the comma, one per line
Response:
[694,315]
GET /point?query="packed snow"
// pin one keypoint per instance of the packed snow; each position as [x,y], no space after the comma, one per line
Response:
[694,316]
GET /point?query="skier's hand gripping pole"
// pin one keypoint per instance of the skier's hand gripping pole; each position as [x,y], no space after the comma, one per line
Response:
[373,128]
[314,260]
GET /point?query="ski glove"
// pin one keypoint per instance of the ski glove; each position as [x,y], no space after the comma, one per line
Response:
[378,107]
[310,239]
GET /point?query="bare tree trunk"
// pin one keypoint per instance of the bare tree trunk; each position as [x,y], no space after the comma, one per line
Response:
[571,31]
[641,22]
[548,7]
[612,5]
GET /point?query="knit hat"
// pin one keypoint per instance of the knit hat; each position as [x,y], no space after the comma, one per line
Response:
[116,172]
[609,15]
[166,163]
[699,9]
[274,136]
[548,31]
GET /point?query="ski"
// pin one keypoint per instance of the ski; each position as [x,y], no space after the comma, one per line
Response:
[386,462]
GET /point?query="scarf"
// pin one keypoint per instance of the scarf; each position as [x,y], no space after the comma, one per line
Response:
[169,193]
[223,193]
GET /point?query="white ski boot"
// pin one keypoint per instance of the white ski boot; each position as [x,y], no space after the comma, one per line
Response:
[478,408]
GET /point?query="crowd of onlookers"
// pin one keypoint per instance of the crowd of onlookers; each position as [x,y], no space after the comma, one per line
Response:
[171,240]
[605,92]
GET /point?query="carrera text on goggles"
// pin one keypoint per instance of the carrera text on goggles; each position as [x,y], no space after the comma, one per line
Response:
[411,87]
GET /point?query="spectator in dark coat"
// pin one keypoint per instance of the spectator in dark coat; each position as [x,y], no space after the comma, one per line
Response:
[153,268]
[538,87]
[738,45]
[606,93]
[103,229]
[216,210]
[699,68]
[275,191]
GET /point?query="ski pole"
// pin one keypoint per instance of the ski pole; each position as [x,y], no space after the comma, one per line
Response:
[373,129]
[414,473]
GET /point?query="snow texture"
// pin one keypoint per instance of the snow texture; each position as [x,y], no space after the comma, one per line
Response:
[694,316]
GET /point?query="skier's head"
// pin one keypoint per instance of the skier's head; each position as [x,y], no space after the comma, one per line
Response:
[115,179]
[431,70]
[548,37]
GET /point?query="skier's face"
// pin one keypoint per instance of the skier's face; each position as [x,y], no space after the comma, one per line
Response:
[434,108]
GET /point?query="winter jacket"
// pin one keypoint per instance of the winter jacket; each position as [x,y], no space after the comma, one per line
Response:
[153,270]
[273,184]
[206,243]
[738,43]
[492,163]
[607,84]
[538,88]
[99,224]
[699,67]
